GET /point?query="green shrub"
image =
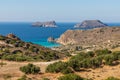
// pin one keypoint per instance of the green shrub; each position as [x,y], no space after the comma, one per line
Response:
[70,77]
[56,67]
[116,55]
[30,69]
[67,71]
[74,63]
[112,78]
[24,77]
[109,59]
[103,52]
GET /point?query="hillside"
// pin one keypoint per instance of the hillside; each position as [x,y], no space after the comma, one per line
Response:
[14,49]
[107,37]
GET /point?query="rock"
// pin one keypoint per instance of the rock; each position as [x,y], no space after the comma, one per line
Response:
[90,24]
[51,39]
[12,36]
[98,37]
[45,24]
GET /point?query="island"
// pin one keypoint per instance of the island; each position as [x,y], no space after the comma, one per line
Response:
[90,24]
[45,24]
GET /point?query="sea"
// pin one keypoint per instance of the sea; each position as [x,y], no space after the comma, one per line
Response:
[38,35]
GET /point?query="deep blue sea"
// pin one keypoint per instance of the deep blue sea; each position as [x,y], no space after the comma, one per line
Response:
[37,35]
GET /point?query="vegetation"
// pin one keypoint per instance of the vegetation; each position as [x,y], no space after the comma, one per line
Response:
[24,77]
[14,49]
[58,67]
[112,78]
[45,79]
[71,77]
[85,60]
[30,69]
[7,76]
[2,64]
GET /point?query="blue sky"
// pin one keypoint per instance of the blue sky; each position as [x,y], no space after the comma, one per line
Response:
[59,10]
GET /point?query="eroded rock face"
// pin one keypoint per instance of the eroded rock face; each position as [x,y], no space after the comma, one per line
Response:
[90,24]
[45,24]
[99,36]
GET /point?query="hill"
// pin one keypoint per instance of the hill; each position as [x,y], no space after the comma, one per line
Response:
[13,48]
[107,37]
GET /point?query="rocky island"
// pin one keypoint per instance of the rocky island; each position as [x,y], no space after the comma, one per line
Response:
[106,37]
[45,24]
[90,24]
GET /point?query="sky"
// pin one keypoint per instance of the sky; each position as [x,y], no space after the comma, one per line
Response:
[59,10]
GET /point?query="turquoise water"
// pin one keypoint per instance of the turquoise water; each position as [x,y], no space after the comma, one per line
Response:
[47,44]
[37,35]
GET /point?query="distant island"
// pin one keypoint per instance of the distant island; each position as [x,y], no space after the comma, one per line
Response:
[90,24]
[45,24]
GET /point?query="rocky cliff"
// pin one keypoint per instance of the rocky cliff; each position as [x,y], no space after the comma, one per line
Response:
[102,37]
[45,24]
[90,24]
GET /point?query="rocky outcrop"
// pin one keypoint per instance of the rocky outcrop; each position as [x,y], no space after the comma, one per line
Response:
[107,36]
[45,24]
[51,39]
[90,24]
[12,36]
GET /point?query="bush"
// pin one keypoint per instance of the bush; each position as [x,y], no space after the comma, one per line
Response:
[30,69]
[116,55]
[24,77]
[67,71]
[74,64]
[109,59]
[56,67]
[70,77]
[112,78]
[45,79]
[103,52]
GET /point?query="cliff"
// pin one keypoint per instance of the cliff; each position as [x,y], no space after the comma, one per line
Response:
[102,37]
[90,24]
[45,24]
